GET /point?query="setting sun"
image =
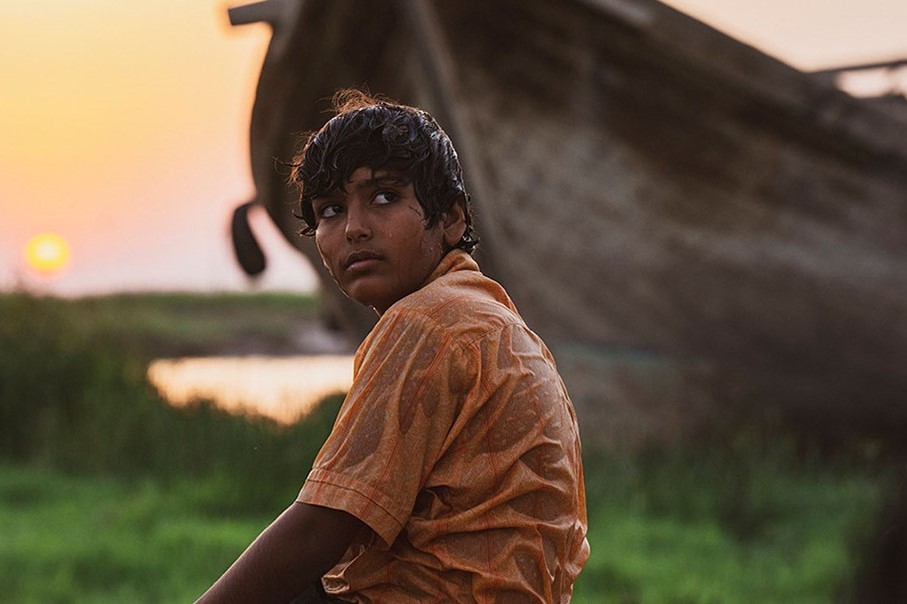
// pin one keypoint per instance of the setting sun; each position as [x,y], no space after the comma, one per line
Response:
[47,253]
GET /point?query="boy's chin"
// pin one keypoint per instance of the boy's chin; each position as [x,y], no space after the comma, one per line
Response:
[365,298]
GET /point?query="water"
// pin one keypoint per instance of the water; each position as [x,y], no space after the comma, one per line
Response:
[281,388]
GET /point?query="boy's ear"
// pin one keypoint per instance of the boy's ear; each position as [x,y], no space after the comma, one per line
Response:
[453,223]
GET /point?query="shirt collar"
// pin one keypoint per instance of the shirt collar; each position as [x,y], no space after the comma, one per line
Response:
[455,260]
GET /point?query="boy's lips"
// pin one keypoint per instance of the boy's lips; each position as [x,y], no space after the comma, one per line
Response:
[360,258]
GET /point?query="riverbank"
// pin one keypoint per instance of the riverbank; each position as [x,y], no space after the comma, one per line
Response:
[107,494]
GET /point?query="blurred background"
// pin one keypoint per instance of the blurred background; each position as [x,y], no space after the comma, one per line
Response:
[125,129]
[741,405]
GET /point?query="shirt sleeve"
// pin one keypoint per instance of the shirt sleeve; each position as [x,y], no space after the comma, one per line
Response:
[393,425]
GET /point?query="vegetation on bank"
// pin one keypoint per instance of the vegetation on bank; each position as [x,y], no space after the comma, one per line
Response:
[73,394]
[108,495]
[175,324]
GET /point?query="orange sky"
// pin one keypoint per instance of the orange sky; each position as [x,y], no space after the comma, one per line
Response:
[123,127]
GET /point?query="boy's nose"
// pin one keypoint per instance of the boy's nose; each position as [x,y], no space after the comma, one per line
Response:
[357,227]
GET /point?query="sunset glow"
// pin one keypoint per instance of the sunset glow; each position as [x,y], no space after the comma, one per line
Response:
[126,124]
[280,388]
[47,253]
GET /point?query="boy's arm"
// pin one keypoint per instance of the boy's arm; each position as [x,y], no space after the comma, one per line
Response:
[287,557]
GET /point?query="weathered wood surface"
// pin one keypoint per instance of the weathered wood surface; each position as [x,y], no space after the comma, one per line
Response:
[693,226]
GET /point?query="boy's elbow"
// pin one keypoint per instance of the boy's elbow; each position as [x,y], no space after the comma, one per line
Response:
[300,546]
[322,534]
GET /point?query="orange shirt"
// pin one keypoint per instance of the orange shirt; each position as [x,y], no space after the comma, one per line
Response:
[458,446]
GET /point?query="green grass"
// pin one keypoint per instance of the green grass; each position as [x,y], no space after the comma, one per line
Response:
[100,539]
[700,523]
[109,495]
[68,539]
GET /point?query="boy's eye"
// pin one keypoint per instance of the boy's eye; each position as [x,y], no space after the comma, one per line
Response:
[382,197]
[329,210]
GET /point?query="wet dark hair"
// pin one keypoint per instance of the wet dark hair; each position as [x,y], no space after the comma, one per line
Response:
[381,135]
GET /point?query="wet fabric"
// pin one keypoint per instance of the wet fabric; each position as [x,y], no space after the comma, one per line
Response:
[458,446]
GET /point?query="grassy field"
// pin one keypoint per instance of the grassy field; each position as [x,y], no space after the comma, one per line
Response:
[755,522]
[96,539]
[101,539]
[108,495]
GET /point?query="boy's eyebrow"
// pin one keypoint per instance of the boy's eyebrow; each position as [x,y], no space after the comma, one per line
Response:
[331,195]
[377,180]
[382,178]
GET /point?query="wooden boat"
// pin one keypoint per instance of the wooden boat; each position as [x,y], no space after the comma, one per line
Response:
[697,229]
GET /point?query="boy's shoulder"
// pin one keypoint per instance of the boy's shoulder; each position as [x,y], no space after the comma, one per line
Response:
[458,301]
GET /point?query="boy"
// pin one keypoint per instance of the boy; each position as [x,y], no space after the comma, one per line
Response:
[453,470]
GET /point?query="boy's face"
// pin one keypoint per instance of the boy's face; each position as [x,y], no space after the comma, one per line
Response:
[372,237]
